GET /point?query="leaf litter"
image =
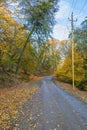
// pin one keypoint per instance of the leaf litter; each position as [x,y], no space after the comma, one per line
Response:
[11,102]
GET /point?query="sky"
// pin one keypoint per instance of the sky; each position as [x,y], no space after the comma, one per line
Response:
[66,7]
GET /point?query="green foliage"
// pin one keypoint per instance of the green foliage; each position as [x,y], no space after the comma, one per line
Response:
[81,46]
[29,63]
[82,85]
[39,19]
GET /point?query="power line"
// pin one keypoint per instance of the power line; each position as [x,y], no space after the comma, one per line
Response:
[74,5]
[84,4]
[70,10]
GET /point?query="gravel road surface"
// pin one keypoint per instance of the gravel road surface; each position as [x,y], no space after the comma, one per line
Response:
[53,109]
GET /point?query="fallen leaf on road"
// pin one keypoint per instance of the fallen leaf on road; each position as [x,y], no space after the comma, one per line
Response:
[35,126]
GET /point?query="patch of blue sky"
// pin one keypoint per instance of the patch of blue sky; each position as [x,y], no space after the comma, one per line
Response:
[62,27]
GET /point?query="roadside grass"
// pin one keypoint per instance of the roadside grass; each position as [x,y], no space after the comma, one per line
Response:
[35,78]
[67,87]
[11,102]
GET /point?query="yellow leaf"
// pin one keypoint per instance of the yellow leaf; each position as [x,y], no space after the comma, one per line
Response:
[5,117]
[35,126]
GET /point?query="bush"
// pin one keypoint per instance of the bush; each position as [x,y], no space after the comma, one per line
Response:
[82,85]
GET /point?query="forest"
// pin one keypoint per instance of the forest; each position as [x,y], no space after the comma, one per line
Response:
[28,48]
[35,68]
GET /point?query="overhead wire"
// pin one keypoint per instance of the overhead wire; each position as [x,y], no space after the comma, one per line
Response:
[82,8]
[70,10]
[74,5]
[67,21]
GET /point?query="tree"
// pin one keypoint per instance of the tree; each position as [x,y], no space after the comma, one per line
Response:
[29,64]
[81,46]
[48,57]
[80,64]
[12,37]
[65,71]
[39,21]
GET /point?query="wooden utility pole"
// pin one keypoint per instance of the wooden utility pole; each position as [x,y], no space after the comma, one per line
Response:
[72,40]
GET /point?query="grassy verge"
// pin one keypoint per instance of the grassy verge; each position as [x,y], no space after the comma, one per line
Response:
[67,87]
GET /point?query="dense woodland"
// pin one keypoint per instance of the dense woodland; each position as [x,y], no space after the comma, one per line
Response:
[27,47]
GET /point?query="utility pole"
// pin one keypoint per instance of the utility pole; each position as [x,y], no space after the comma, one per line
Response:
[72,41]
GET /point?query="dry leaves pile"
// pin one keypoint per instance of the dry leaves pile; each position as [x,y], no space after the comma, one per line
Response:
[11,101]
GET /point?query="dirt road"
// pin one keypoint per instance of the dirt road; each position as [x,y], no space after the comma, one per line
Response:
[53,109]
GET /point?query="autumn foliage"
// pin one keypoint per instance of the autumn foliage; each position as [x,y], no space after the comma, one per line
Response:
[64,72]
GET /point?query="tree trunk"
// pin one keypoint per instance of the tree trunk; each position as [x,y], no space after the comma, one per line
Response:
[24,47]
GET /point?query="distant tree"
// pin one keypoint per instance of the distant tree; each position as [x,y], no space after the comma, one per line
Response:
[48,57]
